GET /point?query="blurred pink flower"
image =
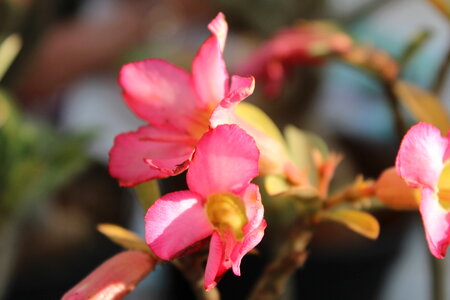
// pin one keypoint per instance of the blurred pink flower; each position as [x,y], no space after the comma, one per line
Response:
[305,44]
[423,162]
[177,106]
[113,279]
[220,203]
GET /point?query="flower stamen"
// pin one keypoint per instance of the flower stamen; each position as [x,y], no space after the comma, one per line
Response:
[443,187]
[226,212]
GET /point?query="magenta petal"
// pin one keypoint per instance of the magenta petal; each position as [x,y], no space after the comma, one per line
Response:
[214,266]
[149,153]
[436,221]
[225,161]
[241,88]
[208,68]
[159,92]
[420,157]
[175,222]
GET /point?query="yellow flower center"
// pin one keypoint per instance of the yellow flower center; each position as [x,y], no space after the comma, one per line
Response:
[443,187]
[226,212]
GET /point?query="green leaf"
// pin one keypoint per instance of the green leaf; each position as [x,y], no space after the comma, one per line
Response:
[147,193]
[415,44]
[423,105]
[300,144]
[10,148]
[276,184]
[5,109]
[44,161]
[360,222]
[36,159]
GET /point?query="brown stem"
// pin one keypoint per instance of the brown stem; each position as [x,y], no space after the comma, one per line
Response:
[292,255]
[395,107]
[437,279]
[442,74]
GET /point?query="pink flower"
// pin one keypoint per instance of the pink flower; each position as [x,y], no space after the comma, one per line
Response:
[113,279]
[423,162]
[177,106]
[305,44]
[220,203]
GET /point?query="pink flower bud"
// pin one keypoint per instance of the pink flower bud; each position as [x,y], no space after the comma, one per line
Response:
[393,191]
[113,279]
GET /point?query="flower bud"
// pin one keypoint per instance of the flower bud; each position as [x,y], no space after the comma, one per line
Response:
[392,190]
[113,279]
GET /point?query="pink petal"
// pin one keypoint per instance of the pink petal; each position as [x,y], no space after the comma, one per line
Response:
[273,155]
[420,157]
[273,158]
[251,239]
[253,207]
[113,279]
[229,243]
[241,88]
[159,92]
[214,266]
[219,27]
[436,221]
[225,161]
[149,153]
[175,222]
[253,229]
[208,68]
[232,249]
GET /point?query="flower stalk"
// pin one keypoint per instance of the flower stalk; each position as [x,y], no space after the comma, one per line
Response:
[291,256]
[442,74]
[437,279]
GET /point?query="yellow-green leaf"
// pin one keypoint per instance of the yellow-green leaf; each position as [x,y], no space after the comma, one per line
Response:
[147,193]
[258,119]
[5,109]
[9,49]
[360,222]
[123,237]
[423,105]
[300,144]
[275,184]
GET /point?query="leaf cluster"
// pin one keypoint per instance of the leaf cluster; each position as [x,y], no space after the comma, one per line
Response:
[35,159]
